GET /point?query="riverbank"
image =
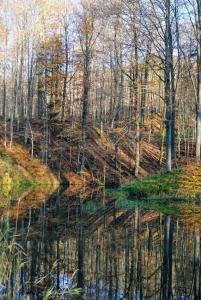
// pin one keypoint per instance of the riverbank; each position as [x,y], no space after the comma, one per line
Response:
[180,184]
[19,171]
[110,155]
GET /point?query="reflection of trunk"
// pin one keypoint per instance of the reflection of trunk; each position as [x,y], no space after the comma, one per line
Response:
[132,284]
[58,265]
[197,292]
[80,247]
[33,263]
[22,273]
[127,242]
[167,259]
[110,289]
[114,255]
[98,267]
[139,267]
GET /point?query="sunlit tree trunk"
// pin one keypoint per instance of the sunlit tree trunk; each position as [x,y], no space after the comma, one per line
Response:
[168,90]
[65,73]
[198,112]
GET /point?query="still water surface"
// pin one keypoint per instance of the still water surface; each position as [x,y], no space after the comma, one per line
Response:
[111,249]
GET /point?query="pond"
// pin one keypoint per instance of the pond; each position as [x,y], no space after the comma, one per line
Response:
[109,249]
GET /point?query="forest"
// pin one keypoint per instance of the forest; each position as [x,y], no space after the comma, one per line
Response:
[100,149]
[70,71]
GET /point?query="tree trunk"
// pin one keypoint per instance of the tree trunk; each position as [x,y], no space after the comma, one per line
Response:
[168,90]
[65,76]
[198,112]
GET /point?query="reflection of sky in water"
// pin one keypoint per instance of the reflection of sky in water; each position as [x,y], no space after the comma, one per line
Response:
[2,288]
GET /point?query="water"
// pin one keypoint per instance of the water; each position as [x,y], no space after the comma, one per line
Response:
[110,249]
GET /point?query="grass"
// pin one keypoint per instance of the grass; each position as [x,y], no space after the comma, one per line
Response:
[184,183]
[31,184]
[168,193]
[161,184]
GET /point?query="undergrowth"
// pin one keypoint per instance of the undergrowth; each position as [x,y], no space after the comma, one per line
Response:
[164,185]
[184,183]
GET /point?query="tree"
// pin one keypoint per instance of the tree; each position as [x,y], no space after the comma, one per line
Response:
[87,38]
[198,114]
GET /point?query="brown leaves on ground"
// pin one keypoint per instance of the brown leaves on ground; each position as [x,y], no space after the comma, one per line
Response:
[37,171]
[190,181]
[110,155]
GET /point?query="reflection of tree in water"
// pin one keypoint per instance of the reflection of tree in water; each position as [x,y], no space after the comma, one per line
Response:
[120,254]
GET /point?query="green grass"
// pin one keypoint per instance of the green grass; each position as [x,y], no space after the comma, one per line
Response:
[31,184]
[156,192]
[164,185]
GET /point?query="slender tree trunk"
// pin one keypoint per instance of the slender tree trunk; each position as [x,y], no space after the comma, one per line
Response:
[144,85]
[5,106]
[168,94]
[137,99]
[65,75]
[198,112]
[85,105]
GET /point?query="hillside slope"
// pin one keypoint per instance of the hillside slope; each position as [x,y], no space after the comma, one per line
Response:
[109,156]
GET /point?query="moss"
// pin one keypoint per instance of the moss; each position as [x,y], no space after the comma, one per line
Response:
[167,193]
[161,184]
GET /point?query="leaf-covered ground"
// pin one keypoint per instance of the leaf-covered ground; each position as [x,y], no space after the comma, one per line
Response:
[19,172]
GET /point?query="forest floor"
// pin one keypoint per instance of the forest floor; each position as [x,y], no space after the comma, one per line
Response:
[109,156]
[110,160]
